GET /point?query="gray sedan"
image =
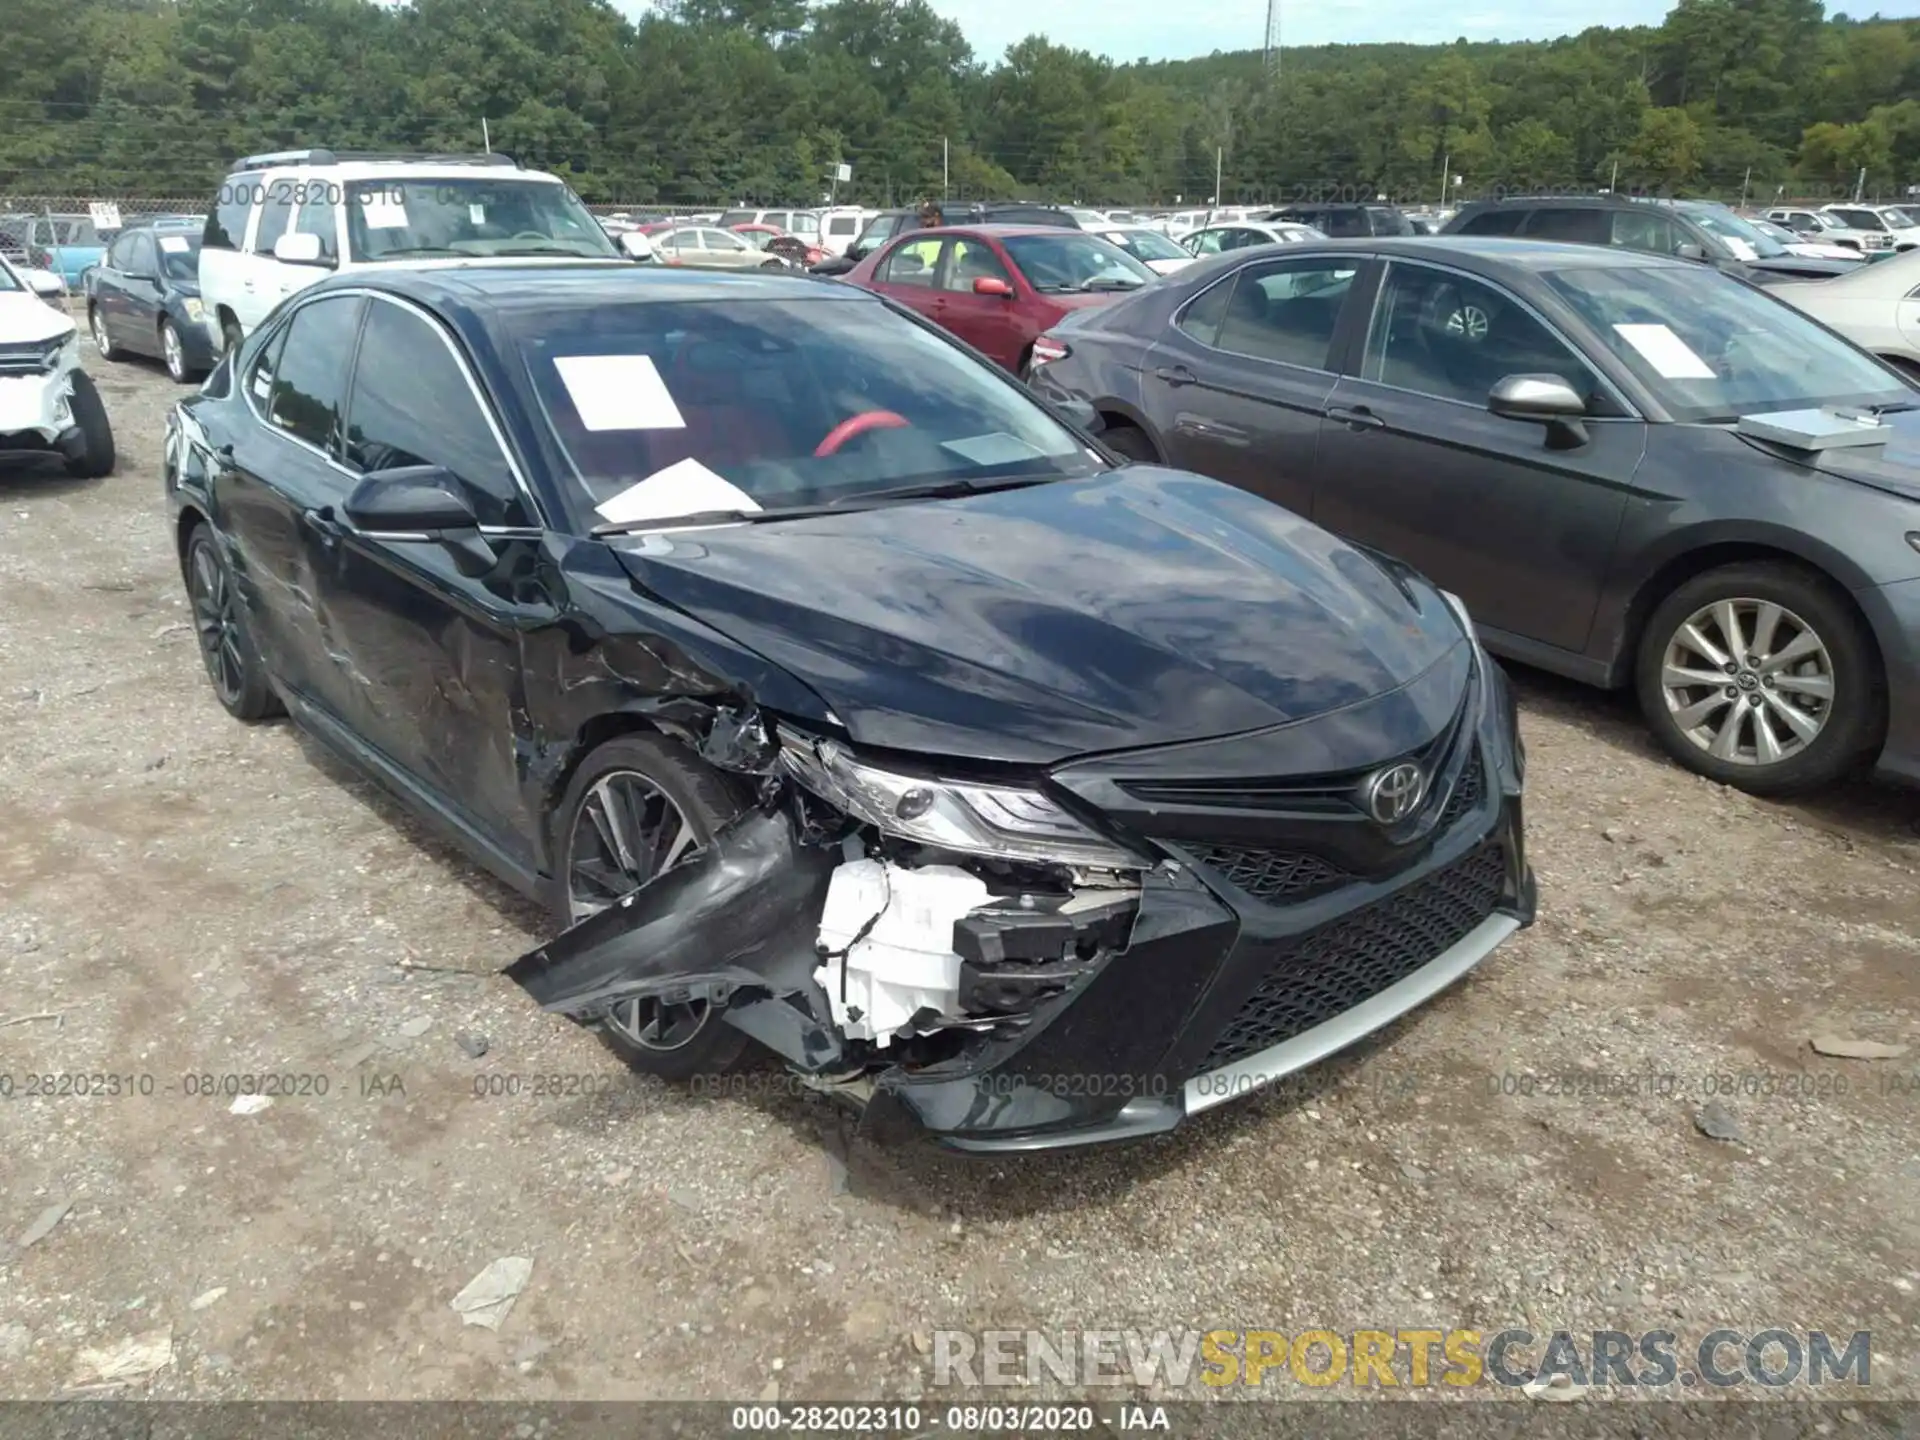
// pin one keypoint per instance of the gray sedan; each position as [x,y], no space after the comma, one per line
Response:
[1634,470]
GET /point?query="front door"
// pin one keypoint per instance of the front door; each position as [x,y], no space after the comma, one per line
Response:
[261,275]
[432,654]
[1236,387]
[910,274]
[136,316]
[1517,520]
[989,323]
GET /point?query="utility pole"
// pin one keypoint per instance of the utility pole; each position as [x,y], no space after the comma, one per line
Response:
[1613,183]
[486,136]
[1219,153]
[1860,185]
[945,190]
[1271,55]
[1446,169]
[1744,183]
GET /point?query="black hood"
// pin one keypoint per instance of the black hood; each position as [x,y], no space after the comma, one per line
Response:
[1140,607]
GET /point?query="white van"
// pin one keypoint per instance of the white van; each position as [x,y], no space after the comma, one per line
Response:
[841,226]
[281,221]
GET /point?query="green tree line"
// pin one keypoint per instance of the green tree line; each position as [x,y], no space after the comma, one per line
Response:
[704,102]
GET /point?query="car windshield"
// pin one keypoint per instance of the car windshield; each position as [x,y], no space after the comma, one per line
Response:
[1068,262]
[1714,348]
[9,280]
[675,408]
[1896,218]
[179,253]
[1146,245]
[1779,234]
[469,216]
[1729,226]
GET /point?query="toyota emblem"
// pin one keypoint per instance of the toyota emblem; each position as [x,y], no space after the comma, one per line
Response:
[1395,793]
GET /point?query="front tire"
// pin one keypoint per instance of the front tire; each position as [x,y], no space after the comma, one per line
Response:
[1759,675]
[637,806]
[174,354]
[95,457]
[1130,441]
[219,625]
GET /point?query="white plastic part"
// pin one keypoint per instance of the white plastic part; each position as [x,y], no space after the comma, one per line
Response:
[905,963]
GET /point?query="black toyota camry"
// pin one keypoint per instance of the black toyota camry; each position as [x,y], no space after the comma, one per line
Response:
[838,695]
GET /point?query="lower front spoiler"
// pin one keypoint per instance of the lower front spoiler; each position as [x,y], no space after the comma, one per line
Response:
[1155,1115]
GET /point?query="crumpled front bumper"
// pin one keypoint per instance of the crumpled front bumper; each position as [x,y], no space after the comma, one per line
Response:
[36,411]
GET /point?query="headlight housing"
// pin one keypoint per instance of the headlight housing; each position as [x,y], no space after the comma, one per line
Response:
[195,310]
[1006,822]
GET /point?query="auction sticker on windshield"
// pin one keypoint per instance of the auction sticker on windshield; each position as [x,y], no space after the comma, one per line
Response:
[174,244]
[685,487]
[385,212]
[618,392]
[1666,352]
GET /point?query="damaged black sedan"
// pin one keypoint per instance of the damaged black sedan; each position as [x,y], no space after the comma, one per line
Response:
[838,696]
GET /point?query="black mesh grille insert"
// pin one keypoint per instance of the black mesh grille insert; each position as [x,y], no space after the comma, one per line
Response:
[1338,966]
[1467,793]
[1271,875]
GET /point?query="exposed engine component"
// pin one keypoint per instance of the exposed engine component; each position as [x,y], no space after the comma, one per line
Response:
[886,935]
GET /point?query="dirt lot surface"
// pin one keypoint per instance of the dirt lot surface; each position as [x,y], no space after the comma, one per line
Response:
[182,897]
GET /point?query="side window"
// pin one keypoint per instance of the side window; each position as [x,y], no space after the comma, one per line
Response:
[1348,222]
[412,405]
[1286,310]
[276,213]
[310,378]
[971,261]
[805,223]
[1571,224]
[227,220]
[142,258]
[317,218]
[1637,231]
[723,240]
[1208,242]
[914,263]
[120,253]
[1493,222]
[841,225]
[1454,338]
[777,218]
[260,376]
[1203,315]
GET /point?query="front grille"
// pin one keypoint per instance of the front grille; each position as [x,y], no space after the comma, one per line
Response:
[33,357]
[1270,875]
[1468,791]
[1358,956]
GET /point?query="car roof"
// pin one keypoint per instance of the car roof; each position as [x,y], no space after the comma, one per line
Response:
[482,287]
[1008,231]
[1499,250]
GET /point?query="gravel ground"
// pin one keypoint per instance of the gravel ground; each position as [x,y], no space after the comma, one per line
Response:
[184,896]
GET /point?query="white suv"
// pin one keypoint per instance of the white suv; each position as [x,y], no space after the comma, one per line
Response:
[48,405]
[281,221]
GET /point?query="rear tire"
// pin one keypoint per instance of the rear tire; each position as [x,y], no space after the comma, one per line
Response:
[1815,687]
[102,341]
[230,334]
[90,415]
[1129,440]
[233,664]
[674,1043]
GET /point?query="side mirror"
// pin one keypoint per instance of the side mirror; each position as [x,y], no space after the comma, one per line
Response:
[298,249]
[1687,250]
[424,500]
[991,285]
[1545,398]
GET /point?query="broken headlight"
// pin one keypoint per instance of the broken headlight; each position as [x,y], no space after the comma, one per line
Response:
[997,820]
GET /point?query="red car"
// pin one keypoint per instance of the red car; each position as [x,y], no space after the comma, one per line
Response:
[794,248]
[999,287]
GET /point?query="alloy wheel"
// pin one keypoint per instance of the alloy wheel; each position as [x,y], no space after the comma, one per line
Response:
[1748,681]
[217,623]
[629,831]
[100,340]
[170,349]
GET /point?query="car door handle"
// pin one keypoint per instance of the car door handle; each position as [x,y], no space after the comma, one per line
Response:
[1355,417]
[1176,375]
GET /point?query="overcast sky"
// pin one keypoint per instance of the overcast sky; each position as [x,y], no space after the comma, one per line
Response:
[1169,30]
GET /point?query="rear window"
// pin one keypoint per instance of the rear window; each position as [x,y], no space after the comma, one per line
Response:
[1492,222]
[739,217]
[741,399]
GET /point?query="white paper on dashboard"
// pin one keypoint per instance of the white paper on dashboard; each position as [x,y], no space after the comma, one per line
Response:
[618,392]
[477,214]
[385,212]
[174,244]
[1741,249]
[685,487]
[1666,352]
[996,448]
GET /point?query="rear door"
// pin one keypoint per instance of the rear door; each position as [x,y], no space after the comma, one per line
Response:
[1412,462]
[283,473]
[1238,385]
[910,273]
